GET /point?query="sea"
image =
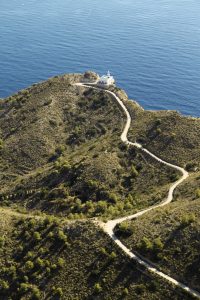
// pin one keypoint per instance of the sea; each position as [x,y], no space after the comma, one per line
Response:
[151,47]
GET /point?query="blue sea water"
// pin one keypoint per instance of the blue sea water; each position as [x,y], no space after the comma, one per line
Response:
[152,47]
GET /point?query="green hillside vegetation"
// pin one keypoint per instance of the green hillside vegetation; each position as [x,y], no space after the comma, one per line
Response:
[169,237]
[168,134]
[62,164]
[52,259]
[61,153]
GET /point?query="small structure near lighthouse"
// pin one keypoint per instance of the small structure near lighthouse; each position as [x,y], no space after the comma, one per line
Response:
[106,80]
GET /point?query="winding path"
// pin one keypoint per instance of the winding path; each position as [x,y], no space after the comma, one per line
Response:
[109,226]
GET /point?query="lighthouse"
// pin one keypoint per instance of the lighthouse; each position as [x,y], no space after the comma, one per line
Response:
[106,80]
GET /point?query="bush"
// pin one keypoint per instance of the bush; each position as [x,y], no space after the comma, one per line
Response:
[29,265]
[190,166]
[1,144]
[113,255]
[24,287]
[125,292]
[1,241]
[145,244]
[57,291]
[124,229]
[157,245]
[61,236]
[37,236]
[60,262]
[134,172]
[53,266]
[112,198]
[36,294]
[30,254]
[187,219]
[103,251]
[4,285]
[158,130]
[158,122]
[39,262]
[97,288]
[197,193]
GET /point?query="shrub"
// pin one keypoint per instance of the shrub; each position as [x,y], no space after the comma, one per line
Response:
[61,236]
[50,235]
[53,266]
[145,244]
[140,288]
[57,291]
[158,122]
[187,219]
[25,278]
[29,265]
[60,149]
[30,254]
[158,130]
[1,241]
[60,262]
[48,220]
[197,193]
[32,223]
[97,288]
[113,198]
[134,172]
[39,262]
[113,255]
[125,292]
[1,144]
[101,207]
[36,294]
[4,285]
[24,287]
[124,229]
[103,251]
[37,236]
[157,245]
[41,250]
[190,166]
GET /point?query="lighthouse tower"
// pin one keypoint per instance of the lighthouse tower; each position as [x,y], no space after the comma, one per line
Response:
[106,80]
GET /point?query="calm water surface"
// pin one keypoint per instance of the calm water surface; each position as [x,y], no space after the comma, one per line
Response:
[152,47]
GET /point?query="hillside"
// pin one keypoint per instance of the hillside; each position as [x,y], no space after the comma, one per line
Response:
[63,169]
[61,153]
[52,259]
[169,237]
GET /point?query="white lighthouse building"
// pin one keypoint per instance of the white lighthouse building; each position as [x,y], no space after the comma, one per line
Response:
[106,80]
